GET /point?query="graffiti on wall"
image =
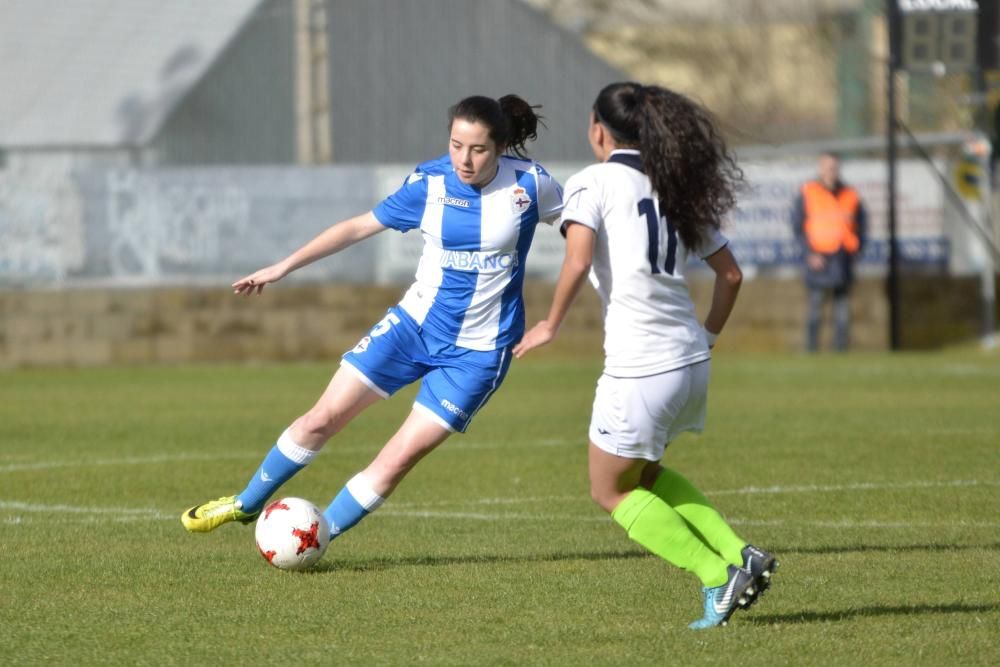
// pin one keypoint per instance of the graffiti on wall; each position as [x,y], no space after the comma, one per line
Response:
[61,226]
[41,226]
[155,226]
[158,227]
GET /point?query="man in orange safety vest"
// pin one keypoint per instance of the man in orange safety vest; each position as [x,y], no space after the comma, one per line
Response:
[829,221]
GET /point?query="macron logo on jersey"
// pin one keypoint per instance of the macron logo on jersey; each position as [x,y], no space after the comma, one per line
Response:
[467,260]
[454,201]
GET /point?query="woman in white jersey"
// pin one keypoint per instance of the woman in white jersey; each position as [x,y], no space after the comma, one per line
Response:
[664,181]
[476,209]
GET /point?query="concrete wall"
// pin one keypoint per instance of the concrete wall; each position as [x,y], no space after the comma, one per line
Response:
[96,327]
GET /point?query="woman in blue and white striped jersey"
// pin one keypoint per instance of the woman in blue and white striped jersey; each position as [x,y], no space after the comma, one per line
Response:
[477,208]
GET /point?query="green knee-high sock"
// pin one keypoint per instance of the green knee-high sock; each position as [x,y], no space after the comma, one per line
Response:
[690,503]
[653,524]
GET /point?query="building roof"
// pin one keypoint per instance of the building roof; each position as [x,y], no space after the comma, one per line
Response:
[104,73]
[213,80]
[397,65]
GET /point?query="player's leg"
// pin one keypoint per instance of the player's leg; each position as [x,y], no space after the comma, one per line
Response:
[841,319]
[814,318]
[451,393]
[675,490]
[633,419]
[686,412]
[365,492]
[344,398]
[614,485]
[706,522]
[380,364]
[682,408]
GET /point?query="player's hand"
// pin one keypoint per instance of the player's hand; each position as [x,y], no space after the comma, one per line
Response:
[254,283]
[539,335]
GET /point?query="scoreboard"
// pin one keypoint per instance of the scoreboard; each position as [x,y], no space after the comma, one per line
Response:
[947,35]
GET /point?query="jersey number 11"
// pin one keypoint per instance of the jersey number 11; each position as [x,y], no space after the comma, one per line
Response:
[654,225]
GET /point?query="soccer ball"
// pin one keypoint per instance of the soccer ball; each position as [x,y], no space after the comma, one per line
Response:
[292,534]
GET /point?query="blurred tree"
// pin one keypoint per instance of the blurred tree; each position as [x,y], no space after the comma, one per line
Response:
[772,70]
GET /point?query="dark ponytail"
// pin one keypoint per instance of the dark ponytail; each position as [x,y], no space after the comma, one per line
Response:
[693,173]
[512,121]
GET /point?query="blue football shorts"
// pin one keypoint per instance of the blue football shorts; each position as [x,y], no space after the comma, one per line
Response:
[457,381]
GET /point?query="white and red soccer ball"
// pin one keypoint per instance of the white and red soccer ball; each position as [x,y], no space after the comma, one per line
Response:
[292,534]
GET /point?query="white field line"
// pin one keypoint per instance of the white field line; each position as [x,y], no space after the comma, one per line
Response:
[123,461]
[859,486]
[484,516]
[849,523]
[745,491]
[83,514]
[195,456]
[126,513]
[105,515]
[422,509]
[839,523]
[489,501]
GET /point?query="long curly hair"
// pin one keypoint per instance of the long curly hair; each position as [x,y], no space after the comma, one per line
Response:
[695,176]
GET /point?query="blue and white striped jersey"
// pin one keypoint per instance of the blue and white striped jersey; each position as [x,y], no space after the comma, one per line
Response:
[468,283]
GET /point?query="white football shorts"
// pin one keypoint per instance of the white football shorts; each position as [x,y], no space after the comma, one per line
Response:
[636,418]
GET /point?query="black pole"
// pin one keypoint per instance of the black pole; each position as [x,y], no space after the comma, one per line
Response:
[892,283]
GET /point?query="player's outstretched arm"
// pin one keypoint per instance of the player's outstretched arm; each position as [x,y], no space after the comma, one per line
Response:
[335,238]
[575,267]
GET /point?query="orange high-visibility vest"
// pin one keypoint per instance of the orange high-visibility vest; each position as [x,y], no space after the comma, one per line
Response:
[830,222]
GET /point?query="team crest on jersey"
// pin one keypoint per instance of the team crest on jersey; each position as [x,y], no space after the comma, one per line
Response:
[362,345]
[519,200]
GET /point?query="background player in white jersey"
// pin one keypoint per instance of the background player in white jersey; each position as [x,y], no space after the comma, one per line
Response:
[477,209]
[664,182]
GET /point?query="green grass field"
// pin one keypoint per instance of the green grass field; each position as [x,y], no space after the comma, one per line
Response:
[876,479]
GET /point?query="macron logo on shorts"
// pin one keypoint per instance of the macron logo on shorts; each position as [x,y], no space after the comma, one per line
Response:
[454,409]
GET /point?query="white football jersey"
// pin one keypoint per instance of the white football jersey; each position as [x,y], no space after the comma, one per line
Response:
[650,325]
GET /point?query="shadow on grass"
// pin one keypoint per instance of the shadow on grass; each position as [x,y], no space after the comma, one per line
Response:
[868,612]
[885,548]
[384,563]
[388,562]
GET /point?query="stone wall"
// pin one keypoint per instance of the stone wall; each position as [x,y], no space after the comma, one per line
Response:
[83,327]
[94,327]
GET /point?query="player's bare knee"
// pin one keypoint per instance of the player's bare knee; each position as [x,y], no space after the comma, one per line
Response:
[400,465]
[321,422]
[605,499]
[386,474]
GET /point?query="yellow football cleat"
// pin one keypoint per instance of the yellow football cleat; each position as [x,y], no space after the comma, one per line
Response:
[209,516]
